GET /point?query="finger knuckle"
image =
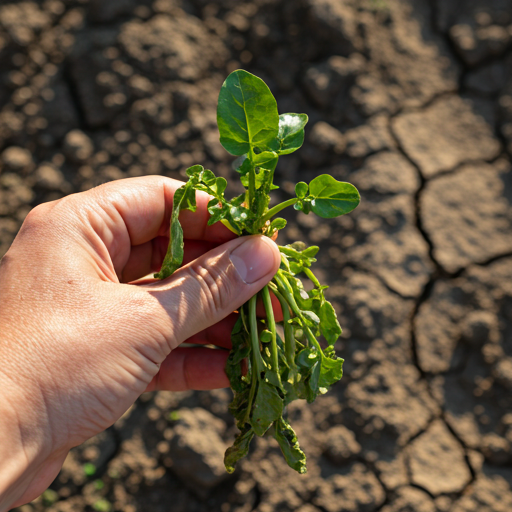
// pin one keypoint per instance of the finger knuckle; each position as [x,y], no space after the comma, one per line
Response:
[215,288]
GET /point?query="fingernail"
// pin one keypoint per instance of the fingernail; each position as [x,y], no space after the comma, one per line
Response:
[254,259]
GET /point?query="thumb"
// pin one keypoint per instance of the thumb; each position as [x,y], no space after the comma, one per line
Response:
[208,289]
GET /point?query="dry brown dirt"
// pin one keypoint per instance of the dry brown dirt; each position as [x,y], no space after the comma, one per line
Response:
[411,100]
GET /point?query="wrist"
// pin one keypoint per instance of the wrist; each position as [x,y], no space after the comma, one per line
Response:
[21,444]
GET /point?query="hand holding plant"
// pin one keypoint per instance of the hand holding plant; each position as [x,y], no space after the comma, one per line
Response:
[293,365]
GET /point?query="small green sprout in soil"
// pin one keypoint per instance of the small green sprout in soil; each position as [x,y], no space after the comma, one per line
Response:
[279,368]
[89,469]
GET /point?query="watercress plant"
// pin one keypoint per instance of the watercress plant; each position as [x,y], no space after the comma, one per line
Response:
[286,364]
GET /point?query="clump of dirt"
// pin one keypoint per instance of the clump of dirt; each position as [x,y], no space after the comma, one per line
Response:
[411,100]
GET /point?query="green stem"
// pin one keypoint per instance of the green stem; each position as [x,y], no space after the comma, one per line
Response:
[285,288]
[251,191]
[311,338]
[255,342]
[312,277]
[276,209]
[290,344]
[267,302]
[279,277]
[252,392]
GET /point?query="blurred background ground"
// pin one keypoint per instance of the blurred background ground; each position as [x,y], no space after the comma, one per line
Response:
[411,100]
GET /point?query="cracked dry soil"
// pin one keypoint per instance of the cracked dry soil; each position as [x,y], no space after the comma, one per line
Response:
[411,100]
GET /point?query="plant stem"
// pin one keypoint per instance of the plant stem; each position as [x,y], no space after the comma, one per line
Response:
[276,209]
[251,191]
[267,302]
[255,342]
[252,392]
[290,344]
[313,340]
[286,290]
[311,277]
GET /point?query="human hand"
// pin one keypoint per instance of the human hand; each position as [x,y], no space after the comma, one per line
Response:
[78,344]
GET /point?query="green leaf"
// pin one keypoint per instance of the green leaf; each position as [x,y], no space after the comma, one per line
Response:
[268,407]
[265,336]
[331,371]
[330,198]
[301,189]
[291,133]
[239,405]
[266,159]
[245,166]
[184,199]
[277,224]
[329,325]
[312,382]
[194,171]
[307,358]
[246,113]
[311,319]
[261,177]
[240,350]
[287,439]
[239,449]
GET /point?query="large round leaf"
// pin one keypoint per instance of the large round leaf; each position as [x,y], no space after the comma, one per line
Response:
[246,113]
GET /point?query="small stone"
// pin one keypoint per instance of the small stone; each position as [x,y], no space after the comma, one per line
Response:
[78,146]
[17,159]
[503,372]
[49,177]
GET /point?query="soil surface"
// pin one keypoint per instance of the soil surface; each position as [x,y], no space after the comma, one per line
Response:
[411,100]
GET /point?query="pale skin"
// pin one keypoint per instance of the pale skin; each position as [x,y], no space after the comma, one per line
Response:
[80,340]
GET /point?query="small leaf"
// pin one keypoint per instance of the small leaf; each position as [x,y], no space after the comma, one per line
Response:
[239,449]
[312,382]
[267,160]
[329,325]
[265,336]
[287,439]
[184,199]
[331,371]
[268,407]
[311,251]
[277,224]
[240,350]
[331,198]
[291,133]
[246,113]
[245,167]
[301,189]
[307,358]
[195,170]
[311,318]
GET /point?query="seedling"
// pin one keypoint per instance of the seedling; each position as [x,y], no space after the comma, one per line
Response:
[278,370]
